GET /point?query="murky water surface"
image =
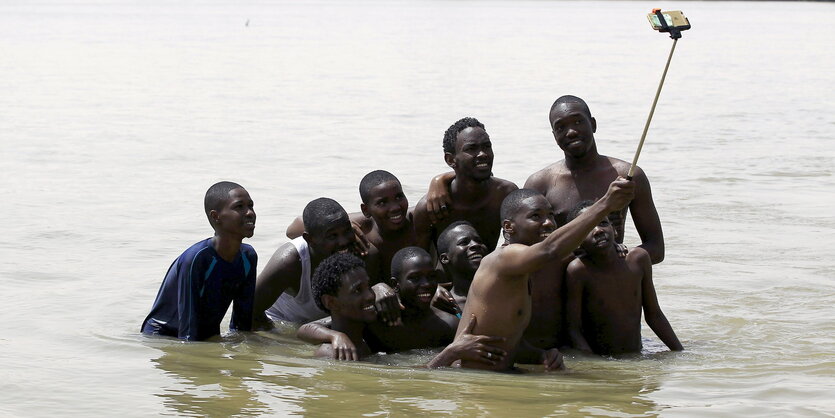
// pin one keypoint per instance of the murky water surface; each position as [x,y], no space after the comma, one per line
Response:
[116,116]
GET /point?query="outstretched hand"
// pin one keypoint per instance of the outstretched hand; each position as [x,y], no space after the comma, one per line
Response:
[388,304]
[471,347]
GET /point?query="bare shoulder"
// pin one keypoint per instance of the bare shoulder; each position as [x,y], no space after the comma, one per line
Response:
[285,261]
[639,257]
[542,178]
[575,269]
[622,167]
[447,318]
[504,186]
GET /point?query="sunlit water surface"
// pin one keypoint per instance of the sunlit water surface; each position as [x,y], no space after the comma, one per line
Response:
[115,118]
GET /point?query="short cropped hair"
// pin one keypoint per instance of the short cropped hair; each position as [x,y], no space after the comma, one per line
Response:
[446,236]
[570,99]
[451,134]
[217,195]
[513,201]
[327,279]
[372,180]
[402,255]
[319,211]
[577,210]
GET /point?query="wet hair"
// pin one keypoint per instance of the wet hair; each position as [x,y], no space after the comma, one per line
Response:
[327,279]
[451,134]
[217,195]
[319,212]
[372,180]
[569,99]
[446,236]
[577,210]
[513,201]
[401,256]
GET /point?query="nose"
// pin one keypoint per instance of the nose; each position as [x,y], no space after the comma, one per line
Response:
[549,222]
[250,213]
[476,244]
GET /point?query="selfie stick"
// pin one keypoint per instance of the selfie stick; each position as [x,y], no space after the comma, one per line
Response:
[675,33]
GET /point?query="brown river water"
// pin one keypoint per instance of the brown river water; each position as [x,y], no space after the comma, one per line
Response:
[115,116]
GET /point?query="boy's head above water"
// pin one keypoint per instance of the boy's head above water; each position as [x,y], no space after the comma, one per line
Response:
[327,227]
[383,200]
[601,238]
[468,150]
[230,209]
[460,247]
[414,277]
[527,217]
[340,286]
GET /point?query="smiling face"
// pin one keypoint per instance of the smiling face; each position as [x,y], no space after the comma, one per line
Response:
[573,128]
[387,205]
[237,216]
[418,281]
[464,250]
[532,222]
[473,154]
[334,236]
[355,300]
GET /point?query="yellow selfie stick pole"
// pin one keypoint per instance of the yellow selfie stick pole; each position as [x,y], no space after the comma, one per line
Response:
[675,33]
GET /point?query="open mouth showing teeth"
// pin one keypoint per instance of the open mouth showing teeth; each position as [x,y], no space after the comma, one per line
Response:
[369,308]
[396,218]
[475,257]
[424,295]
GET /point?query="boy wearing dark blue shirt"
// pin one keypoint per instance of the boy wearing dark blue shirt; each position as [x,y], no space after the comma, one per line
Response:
[212,274]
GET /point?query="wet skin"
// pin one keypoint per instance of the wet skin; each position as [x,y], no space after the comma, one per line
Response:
[423,325]
[585,175]
[608,293]
[476,195]
[283,271]
[500,293]
[461,259]
[351,310]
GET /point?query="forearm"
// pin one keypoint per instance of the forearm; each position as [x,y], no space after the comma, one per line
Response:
[662,328]
[562,242]
[655,248]
[445,358]
[528,354]
[316,333]
[578,341]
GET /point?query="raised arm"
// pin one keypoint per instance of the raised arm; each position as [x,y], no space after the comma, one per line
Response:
[438,200]
[283,271]
[645,217]
[652,311]
[521,259]
[295,229]
[574,306]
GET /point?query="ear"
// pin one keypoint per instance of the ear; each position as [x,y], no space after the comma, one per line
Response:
[330,302]
[450,160]
[214,216]
[394,283]
[306,237]
[507,226]
[593,125]
[444,258]
[364,210]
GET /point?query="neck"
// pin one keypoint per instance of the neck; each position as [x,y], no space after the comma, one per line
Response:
[605,256]
[392,234]
[227,247]
[585,162]
[461,283]
[353,329]
[413,312]
[464,187]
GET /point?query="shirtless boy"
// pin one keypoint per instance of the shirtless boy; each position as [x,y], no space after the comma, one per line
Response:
[340,286]
[460,251]
[212,274]
[606,294]
[283,287]
[500,293]
[476,196]
[585,175]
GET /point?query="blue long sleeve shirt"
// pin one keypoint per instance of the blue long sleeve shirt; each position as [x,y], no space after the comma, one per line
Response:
[197,291]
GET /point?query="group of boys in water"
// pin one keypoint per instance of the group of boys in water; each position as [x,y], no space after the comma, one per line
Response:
[392,278]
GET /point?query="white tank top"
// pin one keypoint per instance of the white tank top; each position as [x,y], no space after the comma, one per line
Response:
[300,308]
